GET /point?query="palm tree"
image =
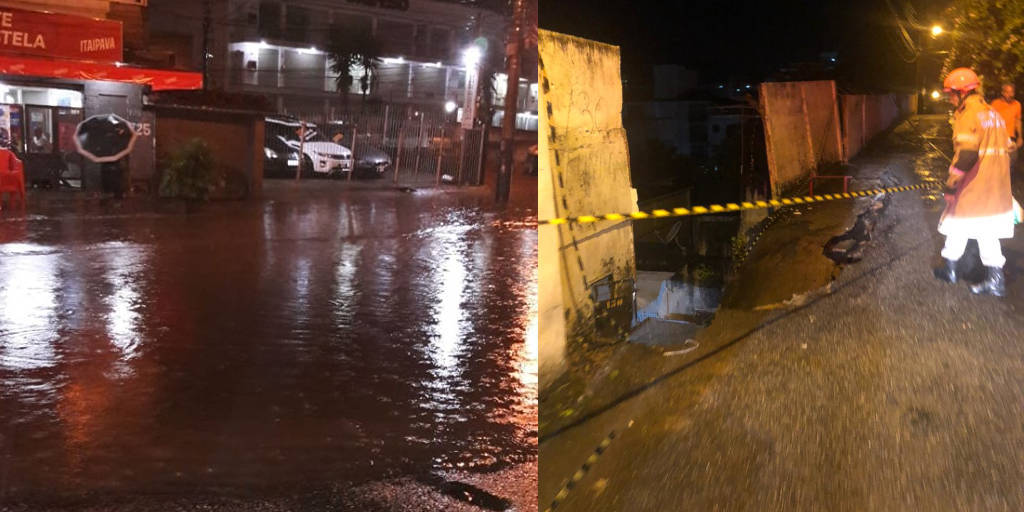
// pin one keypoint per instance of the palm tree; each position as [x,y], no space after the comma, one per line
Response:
[347,48]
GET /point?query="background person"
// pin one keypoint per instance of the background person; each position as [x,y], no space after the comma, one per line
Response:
[1009,109]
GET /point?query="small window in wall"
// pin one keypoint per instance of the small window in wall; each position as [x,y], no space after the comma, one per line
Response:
[40,130]
[601,290]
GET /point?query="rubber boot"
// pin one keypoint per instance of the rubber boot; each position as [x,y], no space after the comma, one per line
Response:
[947,273]
[995,284]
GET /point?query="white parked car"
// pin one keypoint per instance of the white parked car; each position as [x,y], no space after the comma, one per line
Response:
[320,157]
[325,157]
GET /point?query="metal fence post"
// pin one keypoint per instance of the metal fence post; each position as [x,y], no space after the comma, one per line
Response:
[480,159]
[302,149]
[440,156]
[419,143]
[462,156]
[355,133]
[384,132]
[398,159]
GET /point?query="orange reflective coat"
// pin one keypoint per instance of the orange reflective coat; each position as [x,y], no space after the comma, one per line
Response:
[1010,111]
[982,206]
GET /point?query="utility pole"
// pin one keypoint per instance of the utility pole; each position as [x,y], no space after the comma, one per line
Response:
[206,41]
[507,152]
[487,110]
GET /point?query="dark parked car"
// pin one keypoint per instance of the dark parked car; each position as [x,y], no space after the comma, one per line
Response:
[280,159]
[371,161]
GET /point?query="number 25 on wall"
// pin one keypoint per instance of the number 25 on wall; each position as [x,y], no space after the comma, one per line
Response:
[143,129]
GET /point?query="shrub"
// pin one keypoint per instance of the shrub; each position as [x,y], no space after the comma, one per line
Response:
[705,275]
[190,172]
[736,247]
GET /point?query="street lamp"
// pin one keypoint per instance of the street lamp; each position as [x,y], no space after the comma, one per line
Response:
[936,30]
[450,106]
[471,56]
[935,95]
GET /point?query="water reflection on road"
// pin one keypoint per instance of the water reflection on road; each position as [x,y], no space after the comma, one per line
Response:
[336,337]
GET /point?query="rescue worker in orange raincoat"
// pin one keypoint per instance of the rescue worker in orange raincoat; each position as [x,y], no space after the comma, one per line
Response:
[980,205]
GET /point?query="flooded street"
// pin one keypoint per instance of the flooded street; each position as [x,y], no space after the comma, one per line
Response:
[325,336]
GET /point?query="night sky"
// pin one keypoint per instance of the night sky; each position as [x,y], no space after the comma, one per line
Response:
[743,39]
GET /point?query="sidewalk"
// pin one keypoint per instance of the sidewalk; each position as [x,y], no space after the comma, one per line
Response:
[63,202]
[883,389]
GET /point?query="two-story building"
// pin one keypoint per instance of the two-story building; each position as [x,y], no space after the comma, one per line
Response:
[276,48]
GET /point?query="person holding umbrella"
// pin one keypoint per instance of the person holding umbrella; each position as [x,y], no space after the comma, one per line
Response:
[979,204]
[107,139]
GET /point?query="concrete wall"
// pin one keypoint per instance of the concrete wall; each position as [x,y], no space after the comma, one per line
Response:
[584,169]
[236,141]
[865,116]
[801,121]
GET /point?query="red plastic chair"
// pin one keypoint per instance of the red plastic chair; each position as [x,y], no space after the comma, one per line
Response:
[12,177]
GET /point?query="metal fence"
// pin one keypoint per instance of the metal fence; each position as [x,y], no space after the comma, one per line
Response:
[421,147]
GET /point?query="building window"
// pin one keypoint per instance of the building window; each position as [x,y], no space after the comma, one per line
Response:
[428,82]
[303,69]
[267,67]
[270,20]
[40,130]
[393,80]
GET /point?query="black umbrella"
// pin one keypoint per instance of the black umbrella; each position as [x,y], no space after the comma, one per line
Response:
[105,138]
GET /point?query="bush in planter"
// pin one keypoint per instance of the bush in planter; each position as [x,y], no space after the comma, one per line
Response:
[190,172]
[704,275]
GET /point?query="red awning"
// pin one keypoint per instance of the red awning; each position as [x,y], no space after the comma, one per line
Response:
[160,79]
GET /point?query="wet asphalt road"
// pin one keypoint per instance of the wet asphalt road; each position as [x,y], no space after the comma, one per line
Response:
[892,391]
[324,338]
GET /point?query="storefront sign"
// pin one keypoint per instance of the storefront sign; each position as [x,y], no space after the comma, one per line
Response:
[158,79]
[59,35]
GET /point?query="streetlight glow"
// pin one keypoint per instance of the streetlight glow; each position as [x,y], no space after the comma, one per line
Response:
[935,95]
[450,106]
[936,30]
[471,56]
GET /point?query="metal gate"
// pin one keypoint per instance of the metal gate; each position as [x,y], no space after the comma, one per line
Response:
[421,147]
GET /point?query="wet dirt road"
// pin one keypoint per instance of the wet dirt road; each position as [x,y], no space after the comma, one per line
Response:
[886,389]
[319,339]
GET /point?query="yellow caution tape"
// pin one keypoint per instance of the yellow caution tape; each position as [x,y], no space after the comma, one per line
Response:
[563,493]
[734,207]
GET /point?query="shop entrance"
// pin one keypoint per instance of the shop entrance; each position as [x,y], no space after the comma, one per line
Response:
[38,124]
